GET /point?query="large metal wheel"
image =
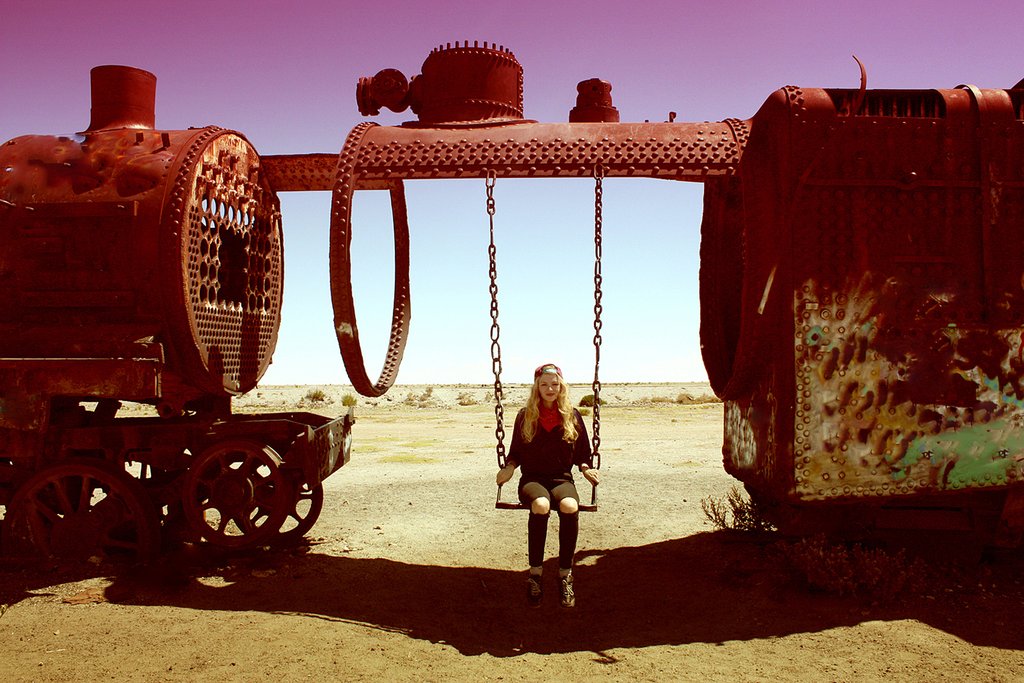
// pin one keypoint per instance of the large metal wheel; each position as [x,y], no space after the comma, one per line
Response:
[307,504]
[235,494]
[79,509]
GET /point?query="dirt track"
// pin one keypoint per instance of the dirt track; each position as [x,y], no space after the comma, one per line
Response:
[412,575]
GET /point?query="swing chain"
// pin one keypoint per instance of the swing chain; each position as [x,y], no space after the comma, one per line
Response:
[598,308]
[492,253]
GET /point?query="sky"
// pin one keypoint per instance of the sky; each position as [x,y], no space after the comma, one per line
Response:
[284,75]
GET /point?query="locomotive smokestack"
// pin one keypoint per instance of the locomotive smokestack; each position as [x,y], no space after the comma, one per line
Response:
[122,97]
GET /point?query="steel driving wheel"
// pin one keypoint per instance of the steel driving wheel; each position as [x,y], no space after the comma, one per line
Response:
[235,494]
[82,508]
[307,504]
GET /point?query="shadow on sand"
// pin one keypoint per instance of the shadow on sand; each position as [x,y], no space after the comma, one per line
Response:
[709,587]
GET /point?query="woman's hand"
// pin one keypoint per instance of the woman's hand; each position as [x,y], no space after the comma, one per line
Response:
[505,473]
[591,475]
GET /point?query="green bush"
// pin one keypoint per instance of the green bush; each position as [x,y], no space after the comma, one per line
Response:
[349,400]
[588,401]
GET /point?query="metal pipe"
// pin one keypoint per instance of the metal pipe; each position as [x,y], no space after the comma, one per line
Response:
[677,151]
[122,97]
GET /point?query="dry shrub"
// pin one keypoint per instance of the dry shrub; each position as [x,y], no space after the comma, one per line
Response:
[423,400]
[736,512]
[852,569]
[848,569]
[467,399]
[349,400]
[588,401]
[315,397]
[686,399]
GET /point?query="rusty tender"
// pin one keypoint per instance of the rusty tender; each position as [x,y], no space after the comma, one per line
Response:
[862,294]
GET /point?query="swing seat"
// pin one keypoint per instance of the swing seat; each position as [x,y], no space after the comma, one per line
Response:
[500,504]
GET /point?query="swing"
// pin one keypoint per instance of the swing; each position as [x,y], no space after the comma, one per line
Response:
[499,410]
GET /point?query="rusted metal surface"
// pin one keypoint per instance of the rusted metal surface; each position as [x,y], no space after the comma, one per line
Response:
[126,233]
[872,349]
[594,103]
[81,508]
[673,151]
[459,84]
[270,502]
[144,265]
[341,277]
[301,172]
[235,493]
[28,384]
[122,97]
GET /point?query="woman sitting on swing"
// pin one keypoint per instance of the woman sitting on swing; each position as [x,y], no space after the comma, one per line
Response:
[548,439]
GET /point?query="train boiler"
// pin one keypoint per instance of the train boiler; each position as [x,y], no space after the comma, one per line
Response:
[144,265]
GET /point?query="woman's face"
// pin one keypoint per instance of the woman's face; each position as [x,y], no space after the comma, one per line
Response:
[548,386]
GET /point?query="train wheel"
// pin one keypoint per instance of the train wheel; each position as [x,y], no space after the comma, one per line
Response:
[235,494]
[306,507]
[79,509]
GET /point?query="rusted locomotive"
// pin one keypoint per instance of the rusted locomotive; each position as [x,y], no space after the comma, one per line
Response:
[144,265]
[862,293]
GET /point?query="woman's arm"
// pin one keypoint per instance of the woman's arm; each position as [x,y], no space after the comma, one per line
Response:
[583,457]
[506,472]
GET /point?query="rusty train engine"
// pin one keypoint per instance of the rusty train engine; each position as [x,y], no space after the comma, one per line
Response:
[145,265]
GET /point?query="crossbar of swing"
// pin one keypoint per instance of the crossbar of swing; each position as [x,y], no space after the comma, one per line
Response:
[499,504]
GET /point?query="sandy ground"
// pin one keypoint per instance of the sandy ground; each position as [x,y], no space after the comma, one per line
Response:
[411,575]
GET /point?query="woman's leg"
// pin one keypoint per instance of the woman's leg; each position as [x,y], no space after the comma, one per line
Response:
[568,504]
[539,499]
[567,501]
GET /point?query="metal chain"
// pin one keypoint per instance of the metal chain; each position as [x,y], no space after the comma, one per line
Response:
[598,308]
[492,253]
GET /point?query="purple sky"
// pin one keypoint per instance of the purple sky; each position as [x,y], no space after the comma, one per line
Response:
[284,74]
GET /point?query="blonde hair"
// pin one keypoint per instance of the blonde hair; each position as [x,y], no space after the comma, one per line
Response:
[532,411]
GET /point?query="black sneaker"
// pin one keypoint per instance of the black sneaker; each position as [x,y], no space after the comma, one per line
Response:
[568,597]
[534,591]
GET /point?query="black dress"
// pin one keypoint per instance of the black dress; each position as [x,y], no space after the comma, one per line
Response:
[548,458]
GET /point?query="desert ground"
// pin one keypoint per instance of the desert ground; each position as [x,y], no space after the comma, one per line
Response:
[412,575]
